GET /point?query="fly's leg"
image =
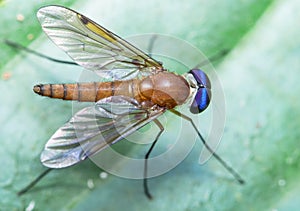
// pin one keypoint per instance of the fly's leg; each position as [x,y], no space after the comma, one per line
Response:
[33,183]
[151,44]
[145,182]
[212,58]
[227,167]
[20,47]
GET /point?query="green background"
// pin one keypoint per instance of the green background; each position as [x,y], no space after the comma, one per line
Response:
[259,78]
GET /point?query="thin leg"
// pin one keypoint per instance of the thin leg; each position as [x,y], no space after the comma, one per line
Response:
[20,47]
[151,44]
[229,169]
[33,183]
[146,189]
[213,58]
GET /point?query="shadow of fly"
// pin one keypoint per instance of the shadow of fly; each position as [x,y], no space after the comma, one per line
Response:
[137,91]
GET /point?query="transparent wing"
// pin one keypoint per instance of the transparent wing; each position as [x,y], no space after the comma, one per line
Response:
[94,47]
[94,128]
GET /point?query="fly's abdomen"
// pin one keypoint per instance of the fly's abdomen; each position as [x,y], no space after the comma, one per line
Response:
[87,92]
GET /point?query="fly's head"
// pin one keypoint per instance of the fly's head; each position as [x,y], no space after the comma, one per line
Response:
[201,90]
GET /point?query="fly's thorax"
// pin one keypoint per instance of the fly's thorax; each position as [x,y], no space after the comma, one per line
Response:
[165,89]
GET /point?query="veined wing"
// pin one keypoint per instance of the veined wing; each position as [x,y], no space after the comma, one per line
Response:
[94,47]
[94,128]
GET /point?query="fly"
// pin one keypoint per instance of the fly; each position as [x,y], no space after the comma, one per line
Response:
[137,91]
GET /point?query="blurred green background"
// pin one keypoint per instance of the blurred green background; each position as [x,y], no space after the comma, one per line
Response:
[260,79]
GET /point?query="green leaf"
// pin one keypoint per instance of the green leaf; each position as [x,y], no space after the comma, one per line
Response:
[19,24]
[260,82]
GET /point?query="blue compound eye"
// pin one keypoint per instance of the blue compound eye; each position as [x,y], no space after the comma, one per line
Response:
[201,101]
[203,95]
[201,78]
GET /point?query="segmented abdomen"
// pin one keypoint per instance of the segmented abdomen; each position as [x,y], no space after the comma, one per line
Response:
[88,92]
